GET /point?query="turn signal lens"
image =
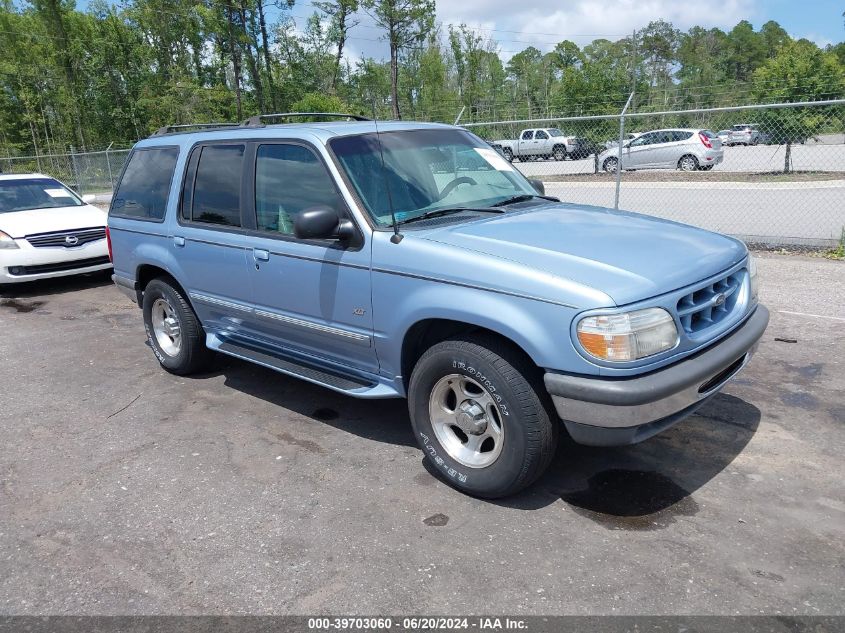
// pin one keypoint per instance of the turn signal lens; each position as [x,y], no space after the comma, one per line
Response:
[628,336]
[6,241]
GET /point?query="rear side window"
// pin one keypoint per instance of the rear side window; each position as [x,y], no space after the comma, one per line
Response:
[145,185]
[217,187]
[680,135]
[527,135]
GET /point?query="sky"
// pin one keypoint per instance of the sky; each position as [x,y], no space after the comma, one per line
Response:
[542,23]
[517,24]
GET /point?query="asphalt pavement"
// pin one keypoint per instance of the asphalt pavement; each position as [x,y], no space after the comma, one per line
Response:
[777,213]
[126,490]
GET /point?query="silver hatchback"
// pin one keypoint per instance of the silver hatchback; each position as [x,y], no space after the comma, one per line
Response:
[686,149]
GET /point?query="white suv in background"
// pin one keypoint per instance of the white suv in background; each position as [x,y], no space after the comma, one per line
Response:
[686,149]
[46,230]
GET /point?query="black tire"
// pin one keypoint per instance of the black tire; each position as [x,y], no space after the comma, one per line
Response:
[684,162]
[610,164]
[192,355]
[508,154]
[522,407]
[559,152]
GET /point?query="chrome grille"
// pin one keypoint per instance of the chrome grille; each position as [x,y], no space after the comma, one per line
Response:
[711,304]
[67,239]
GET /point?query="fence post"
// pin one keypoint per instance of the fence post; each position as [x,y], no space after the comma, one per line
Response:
[619,150]
[108,165]
[75,171]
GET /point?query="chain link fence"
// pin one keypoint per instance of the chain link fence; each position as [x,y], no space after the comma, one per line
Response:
[772,175]
[87,172]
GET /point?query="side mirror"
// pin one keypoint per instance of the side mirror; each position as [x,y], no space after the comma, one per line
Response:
[322,223]
[89,198]
[538,185]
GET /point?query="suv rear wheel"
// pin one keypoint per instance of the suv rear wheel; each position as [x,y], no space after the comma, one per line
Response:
[481,416]
[173,330]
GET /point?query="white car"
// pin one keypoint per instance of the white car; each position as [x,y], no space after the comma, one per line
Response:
[685,149]
[46,230]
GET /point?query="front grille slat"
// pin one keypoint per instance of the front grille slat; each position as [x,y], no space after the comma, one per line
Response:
[21,271]
[709,305]
[60,238]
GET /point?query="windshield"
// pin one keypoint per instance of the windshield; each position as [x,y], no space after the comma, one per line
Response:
[425,170]
[26,194]
[555,132]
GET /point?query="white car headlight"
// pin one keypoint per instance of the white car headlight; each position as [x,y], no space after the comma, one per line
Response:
[752,276]
[628,336]
[6,241]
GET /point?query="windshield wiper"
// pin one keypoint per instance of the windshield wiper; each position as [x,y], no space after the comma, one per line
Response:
[436,213]
[524,198]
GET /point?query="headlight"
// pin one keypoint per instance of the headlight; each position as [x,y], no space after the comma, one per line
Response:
[628,336]
[752,276]
[6,241]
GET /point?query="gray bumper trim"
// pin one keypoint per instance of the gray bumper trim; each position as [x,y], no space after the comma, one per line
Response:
[127,286]
[628,402]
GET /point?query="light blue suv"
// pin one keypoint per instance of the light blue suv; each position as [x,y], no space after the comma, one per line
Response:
[411,260]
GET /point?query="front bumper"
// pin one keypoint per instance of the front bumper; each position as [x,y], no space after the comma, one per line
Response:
[27,263]
[618,411]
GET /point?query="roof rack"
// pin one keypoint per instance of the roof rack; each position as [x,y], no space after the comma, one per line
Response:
[175,129]
[256,121]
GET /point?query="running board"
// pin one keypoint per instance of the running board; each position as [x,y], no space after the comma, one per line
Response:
[345,383]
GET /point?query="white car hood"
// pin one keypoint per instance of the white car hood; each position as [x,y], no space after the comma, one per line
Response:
[18,224]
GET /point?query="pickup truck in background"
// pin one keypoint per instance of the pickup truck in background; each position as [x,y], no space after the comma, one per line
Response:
[546,142]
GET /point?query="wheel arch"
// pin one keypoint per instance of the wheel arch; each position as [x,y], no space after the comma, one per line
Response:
[428,332]
[146,272]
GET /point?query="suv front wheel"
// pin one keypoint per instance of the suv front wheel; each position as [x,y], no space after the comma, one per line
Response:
[173,330]
[481,416]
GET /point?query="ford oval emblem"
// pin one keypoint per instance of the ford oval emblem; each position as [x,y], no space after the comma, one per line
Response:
[719,299]
[71,240]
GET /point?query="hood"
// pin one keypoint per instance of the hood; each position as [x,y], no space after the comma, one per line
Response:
[21,223]
[628,256]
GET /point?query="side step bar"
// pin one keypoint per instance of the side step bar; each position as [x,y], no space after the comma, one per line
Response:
[292,366]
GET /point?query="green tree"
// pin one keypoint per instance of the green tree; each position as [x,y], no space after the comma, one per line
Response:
[340,13]
[799,72]
[406,23]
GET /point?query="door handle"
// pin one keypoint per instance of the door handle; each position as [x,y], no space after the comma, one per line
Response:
[178,241]
[261,255]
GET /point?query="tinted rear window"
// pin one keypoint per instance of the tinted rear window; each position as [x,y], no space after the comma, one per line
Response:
[217,188]
[145,185]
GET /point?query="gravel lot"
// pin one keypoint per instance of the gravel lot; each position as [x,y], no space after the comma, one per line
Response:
[128,491]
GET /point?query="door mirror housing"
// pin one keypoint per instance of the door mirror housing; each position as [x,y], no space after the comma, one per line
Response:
[538,185]
[322,223]
[89,198]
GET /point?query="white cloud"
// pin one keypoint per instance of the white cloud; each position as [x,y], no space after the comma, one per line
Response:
[546,22]
[543,23]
